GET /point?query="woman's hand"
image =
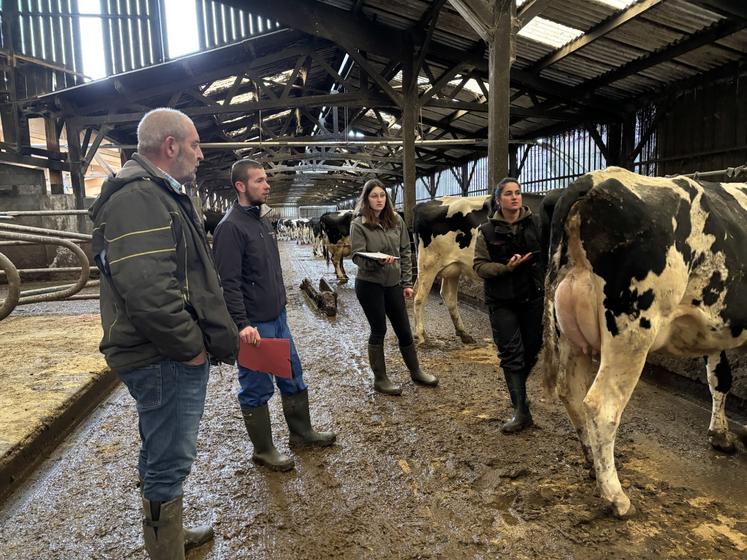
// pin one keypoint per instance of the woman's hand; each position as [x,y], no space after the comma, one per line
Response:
[387,260]
[407,293]
[517,260]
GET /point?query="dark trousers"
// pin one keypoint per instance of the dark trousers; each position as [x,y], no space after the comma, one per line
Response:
[517,332]
[378,303]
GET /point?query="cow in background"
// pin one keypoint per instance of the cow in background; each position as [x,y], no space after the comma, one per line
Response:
[317,239]
[445,230]
[641,264]
[212,219]
[336,232]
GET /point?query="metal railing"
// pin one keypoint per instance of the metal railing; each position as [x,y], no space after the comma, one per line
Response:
[16,234]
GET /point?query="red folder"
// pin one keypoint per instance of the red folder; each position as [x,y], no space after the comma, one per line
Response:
[271,356]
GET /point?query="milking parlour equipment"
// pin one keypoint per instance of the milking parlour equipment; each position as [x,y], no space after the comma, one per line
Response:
[12,234]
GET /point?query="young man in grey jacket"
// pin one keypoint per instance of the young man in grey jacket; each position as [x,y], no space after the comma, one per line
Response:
[162,313]
[247,257]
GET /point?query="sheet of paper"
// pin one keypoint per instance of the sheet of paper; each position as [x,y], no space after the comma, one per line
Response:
[271,356]
[375,255]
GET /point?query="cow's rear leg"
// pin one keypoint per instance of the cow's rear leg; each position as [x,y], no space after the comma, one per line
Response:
[610,392]
[573,386]
[339,272]
[423,285]
[450,295]
[719,380]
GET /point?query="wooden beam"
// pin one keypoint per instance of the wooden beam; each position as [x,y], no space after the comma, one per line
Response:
[478,14]
[335,24]
[595,33]
[500,90]
[688,43]
[529,10]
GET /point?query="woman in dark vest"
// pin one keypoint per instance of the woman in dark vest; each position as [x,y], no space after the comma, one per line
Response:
[382,284]
[507,257]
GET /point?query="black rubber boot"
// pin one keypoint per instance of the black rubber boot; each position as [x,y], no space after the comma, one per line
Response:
[162,529]
[410,356]
[193,536]
[258,427]
[296,410]
[378,366]
[517,388]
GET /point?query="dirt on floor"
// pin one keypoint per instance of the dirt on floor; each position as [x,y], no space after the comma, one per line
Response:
[44,360]
[424,475]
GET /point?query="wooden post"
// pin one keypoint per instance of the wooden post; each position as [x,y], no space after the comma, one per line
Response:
[409,121]
[500,45]
[74,154]
[53,145]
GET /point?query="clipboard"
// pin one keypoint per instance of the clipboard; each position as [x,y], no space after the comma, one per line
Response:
[271,356]
[375,256]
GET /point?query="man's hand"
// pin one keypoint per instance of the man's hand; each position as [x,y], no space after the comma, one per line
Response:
[250,335]
[198,360]
[408,293]
[387,260]
[517,260]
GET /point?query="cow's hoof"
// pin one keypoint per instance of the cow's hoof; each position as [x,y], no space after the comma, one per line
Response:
[466,339]
[722,441]
[342,281]
[623,512]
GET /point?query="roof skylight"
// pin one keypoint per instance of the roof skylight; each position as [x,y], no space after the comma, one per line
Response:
[549,32]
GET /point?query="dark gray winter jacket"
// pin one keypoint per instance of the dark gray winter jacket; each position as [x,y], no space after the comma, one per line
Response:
[160,293]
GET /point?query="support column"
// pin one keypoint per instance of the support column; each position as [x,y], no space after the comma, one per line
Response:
[409,122]
[53,145]
[500,44]
[74,154]
[627,142]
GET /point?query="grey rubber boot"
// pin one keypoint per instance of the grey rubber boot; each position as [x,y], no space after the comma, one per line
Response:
[296,410]
[410,356]
[162,529]
[193,536]
[517,388]
[382,384]
[258,427]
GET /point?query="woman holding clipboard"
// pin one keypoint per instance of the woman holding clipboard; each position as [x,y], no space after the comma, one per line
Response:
[381,249]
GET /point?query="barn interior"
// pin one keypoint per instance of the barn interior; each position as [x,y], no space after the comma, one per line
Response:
[433,97]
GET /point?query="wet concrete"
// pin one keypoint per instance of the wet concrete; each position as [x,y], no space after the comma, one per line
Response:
[425,475]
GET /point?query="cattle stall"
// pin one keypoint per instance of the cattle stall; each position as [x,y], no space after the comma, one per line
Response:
[424,474]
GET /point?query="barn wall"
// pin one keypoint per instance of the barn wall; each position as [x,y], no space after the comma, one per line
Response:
[706,130]
[24,189]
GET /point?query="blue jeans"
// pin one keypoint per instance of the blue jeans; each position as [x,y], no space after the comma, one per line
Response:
[256,386]
[170,398]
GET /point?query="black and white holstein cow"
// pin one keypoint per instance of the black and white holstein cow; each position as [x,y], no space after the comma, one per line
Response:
[336,232]
[641,264]
[446,233]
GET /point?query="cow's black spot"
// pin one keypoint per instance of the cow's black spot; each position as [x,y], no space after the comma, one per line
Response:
[626,238]
[683,230]
[713,289]
[686,186]
[725,220]
[645,323]
[430,220]
[611,322]
[696,302]
[723,374]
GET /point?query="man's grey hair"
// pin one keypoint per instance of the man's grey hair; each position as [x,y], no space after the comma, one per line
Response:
[159,124]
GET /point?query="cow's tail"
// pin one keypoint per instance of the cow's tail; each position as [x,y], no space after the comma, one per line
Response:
[325,249]
[558,266]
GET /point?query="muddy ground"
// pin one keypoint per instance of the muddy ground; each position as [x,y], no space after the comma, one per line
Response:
[425,475]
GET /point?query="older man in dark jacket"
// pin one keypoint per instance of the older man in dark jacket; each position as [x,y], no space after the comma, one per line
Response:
[162,312]
[247,257]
